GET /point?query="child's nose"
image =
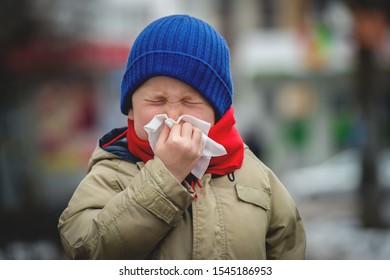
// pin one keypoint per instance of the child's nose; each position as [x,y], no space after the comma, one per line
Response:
[174,110]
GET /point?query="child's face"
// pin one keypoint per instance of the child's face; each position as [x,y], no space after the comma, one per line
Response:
[164,95]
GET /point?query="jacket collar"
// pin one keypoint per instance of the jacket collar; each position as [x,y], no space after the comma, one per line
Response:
[115,142]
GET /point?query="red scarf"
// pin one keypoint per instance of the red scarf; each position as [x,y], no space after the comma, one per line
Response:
[223,132]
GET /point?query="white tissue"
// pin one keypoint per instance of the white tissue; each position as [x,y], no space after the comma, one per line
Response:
[210,149]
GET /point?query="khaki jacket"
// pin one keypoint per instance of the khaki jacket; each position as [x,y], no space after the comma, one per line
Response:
[125,210]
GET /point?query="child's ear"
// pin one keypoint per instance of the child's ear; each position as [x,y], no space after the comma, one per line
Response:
[131,114]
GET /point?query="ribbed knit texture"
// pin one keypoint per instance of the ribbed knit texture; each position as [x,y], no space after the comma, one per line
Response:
[184,48]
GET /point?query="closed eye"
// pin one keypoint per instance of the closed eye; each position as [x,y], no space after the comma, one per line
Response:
[193,102]
[156,101]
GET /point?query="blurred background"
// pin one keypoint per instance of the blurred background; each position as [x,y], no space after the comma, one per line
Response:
[312,99]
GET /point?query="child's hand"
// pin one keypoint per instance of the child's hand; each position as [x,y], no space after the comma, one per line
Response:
[180,148]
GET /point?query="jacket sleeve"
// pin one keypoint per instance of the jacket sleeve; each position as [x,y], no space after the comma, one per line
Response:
[115,215]
[286,238]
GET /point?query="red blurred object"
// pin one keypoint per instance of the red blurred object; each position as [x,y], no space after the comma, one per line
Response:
[370,27]
[46,55]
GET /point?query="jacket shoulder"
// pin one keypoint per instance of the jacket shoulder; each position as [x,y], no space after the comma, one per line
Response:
[253,171]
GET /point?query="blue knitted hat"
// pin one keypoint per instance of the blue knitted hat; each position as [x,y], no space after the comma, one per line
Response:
[184,48]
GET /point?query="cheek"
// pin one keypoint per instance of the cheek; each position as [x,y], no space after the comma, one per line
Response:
[204,114]
[140,120]
[140,132]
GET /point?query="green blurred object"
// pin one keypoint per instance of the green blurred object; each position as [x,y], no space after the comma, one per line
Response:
[296,132]
[342,129]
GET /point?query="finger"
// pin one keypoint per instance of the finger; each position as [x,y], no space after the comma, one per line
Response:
[197,135]
[186,130]
[175,131]
[164,134]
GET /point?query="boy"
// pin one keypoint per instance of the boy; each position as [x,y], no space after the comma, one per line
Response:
[141,199]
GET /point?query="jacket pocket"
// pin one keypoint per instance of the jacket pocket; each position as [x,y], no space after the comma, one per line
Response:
[255,195]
